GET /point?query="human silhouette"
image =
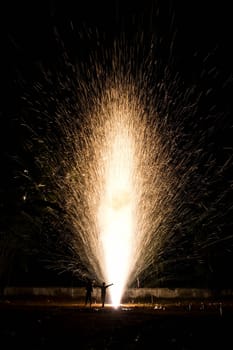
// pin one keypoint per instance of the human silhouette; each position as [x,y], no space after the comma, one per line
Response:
[89,290]
[103,288]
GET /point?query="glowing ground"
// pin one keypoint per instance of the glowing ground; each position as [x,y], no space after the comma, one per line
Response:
[46,324]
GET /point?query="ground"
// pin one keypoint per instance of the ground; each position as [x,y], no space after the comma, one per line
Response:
[47,324]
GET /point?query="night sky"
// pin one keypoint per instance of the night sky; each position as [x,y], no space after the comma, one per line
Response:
[194,40]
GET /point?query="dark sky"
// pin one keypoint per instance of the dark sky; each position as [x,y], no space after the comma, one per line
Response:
[197,34]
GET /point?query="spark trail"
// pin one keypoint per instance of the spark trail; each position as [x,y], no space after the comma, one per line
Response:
[111,174]
[134,182]
[124,209]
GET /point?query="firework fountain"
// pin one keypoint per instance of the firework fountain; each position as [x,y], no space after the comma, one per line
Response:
[122,164]
[117,166]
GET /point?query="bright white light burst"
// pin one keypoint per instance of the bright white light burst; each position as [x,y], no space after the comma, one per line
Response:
[117,205]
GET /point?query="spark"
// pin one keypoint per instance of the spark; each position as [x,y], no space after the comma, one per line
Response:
[123,159]
[126,157]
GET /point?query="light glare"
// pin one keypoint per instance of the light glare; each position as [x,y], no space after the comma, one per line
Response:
[116,212]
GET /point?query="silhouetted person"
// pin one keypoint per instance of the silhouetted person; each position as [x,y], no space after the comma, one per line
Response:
[89,290]
[103,288]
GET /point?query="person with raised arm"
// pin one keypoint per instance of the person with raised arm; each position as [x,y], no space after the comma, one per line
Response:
[103,288]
